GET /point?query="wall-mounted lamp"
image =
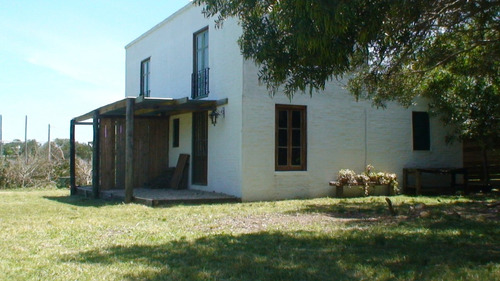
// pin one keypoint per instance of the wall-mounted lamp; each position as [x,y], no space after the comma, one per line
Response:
[215,114]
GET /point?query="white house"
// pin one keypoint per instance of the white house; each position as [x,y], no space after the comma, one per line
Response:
[261,147]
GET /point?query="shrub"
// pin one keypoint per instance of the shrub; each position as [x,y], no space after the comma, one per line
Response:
[347,177]
[38,170]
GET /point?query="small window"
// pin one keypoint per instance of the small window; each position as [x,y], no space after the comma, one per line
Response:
[421,131]
[175,133]
[290,139]
[145,72]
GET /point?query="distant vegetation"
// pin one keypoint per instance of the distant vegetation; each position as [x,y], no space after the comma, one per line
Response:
[36,169]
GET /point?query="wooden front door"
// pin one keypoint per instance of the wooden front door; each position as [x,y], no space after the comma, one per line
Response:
[200,147]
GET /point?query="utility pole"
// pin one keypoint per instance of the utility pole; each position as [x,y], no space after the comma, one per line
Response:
[1,140]
[26,138]
[48,143]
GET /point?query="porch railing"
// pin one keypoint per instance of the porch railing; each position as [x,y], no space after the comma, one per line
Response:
[199,84]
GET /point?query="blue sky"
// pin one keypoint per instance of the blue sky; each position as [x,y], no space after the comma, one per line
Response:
[61,59]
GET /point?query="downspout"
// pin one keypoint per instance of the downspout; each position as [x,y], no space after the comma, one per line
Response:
[366,138]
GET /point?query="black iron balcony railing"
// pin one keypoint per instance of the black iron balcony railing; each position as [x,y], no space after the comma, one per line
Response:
[199,84]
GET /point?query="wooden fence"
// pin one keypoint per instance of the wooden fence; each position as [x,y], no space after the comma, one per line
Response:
[473,161]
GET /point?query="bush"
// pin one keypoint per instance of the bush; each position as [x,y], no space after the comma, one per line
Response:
[38,170]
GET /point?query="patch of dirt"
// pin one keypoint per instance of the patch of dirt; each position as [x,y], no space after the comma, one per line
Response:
[275,221]
[326,217]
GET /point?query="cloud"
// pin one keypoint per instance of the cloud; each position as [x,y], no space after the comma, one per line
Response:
[81,52]
[91,60]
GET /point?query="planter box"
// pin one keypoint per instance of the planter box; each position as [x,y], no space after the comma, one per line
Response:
[350,191]
[359,190]
[380,190]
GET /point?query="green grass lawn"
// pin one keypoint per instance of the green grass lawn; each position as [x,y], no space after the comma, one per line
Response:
[47,235]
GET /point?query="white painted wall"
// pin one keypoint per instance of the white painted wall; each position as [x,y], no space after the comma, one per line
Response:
[241,145]
[169,45]
[336,139]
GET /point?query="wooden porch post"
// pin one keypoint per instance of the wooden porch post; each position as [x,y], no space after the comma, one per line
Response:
[129,151]
[72,158]
[95,157]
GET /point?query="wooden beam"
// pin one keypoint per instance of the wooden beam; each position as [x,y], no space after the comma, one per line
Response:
[129,151]
[84,117]
[114,106]
[95,157]
[72,158]
[222,101]
[102,110]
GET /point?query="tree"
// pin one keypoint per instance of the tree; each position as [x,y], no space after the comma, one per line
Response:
[447,51]
[83,150]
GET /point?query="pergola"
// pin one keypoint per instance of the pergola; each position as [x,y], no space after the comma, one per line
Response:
[122,132]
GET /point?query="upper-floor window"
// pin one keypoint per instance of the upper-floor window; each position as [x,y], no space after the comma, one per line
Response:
[145,72]
[421,131]
[200,76]
[290,138]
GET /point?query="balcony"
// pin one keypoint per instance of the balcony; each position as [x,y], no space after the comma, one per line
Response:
[199,84]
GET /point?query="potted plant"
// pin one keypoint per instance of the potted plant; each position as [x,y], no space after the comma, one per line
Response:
[367,183]
[351,184]
[382,183]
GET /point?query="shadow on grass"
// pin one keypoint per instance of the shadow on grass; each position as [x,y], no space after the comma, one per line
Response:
[377,207]
[355,255]
[82,201]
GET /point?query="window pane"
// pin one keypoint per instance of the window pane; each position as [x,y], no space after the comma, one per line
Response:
[296,156]
[199,41]
[283,119]
[201,51]
[282,137]
[296,137]
[199,56]
[282,156]
[205,58]
[296,119]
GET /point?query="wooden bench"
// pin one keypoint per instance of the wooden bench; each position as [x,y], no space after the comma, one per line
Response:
[476,180]
[173,177]
[180,176]
[419,172]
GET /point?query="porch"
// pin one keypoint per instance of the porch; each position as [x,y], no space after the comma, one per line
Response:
[159,197]
[131,143]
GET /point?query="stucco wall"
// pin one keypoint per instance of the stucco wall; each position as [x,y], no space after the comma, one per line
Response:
[169,45]
[341,133]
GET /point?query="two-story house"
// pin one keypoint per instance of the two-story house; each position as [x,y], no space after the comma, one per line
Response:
[190,91]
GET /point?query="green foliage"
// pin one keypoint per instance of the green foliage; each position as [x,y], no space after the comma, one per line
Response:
[444,50]
[84,151]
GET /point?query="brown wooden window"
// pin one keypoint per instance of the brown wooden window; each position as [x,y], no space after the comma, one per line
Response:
[290,139]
